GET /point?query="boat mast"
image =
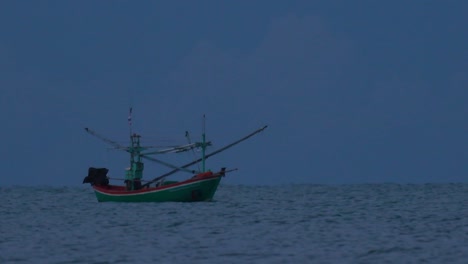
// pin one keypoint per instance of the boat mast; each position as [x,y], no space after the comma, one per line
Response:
[203,145]
[134,174]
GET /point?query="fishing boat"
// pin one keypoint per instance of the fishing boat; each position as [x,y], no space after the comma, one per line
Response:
[201,185]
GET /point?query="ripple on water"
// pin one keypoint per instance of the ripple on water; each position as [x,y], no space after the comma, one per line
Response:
[284,224]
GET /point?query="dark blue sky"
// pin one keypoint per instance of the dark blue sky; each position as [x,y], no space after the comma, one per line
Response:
[353,91]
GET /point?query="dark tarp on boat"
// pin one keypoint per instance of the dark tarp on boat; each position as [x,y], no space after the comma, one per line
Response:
[97,176]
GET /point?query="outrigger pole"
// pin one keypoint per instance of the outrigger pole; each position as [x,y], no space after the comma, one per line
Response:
[205,157]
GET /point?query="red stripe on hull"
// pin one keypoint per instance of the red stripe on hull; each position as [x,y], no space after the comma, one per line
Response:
[115,189]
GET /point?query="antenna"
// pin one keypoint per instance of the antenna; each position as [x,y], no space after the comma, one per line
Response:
[130,120]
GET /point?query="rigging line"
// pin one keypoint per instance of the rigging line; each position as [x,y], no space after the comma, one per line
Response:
[176,149]
[207,156]
[187,135]
[121,179]
[169,165]
[108,141]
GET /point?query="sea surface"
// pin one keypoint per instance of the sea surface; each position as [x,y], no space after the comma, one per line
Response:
[369,223]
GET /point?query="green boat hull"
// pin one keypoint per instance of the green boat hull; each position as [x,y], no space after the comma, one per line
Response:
[193,190]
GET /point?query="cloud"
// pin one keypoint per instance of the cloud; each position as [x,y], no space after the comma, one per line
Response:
[293,68]
[321,99]
[287,81]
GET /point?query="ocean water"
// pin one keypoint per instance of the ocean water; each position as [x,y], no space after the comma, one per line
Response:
[370,223]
